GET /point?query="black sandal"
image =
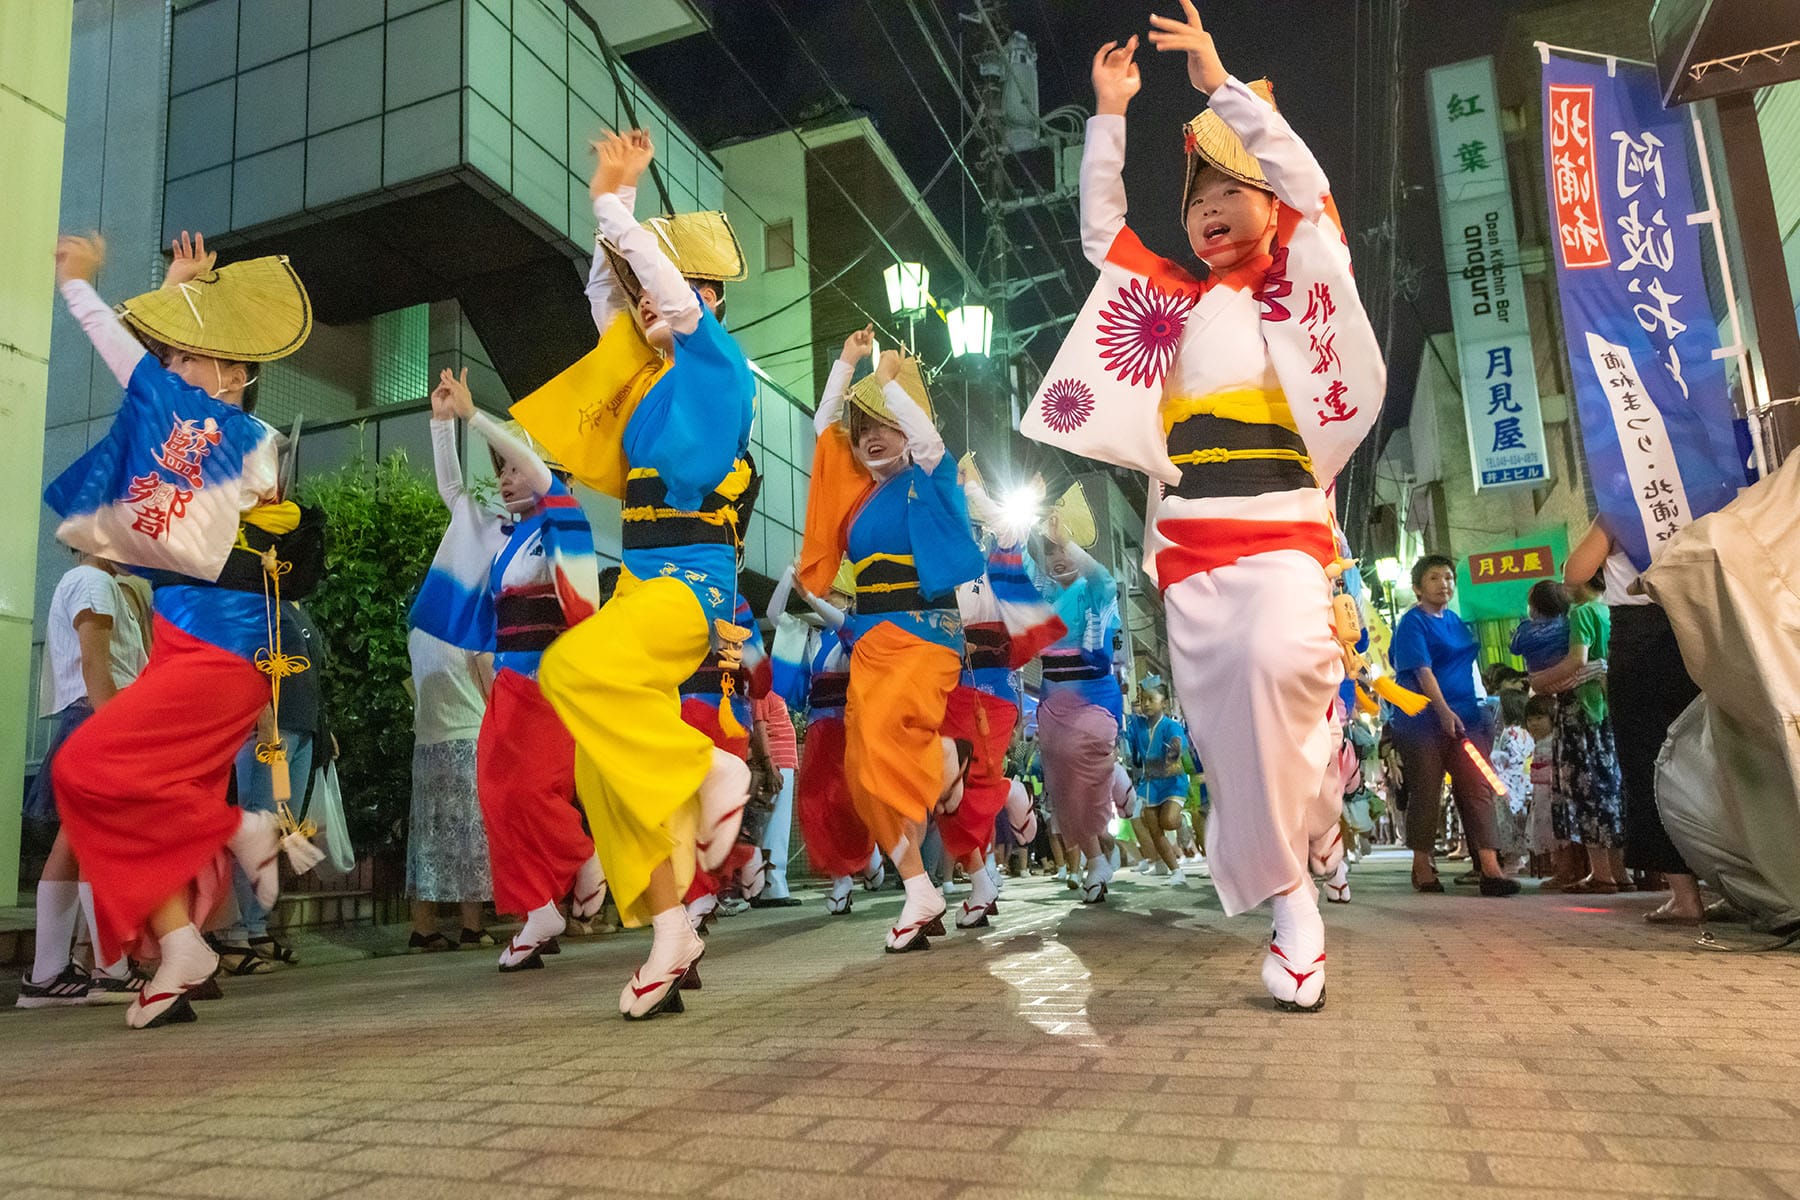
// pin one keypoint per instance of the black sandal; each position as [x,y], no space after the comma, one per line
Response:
[274,951]
[429,943]
[474,939]
[242,960]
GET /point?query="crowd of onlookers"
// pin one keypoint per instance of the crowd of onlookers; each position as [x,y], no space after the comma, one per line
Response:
[1552,769]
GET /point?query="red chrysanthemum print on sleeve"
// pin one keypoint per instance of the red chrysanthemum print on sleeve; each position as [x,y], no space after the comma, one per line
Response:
[1140,330]
[1067,404]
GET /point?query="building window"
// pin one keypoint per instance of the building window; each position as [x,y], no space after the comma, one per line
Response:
[778,245]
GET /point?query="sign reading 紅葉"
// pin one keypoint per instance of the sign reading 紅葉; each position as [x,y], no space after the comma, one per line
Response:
[1481,259]
[1656,414]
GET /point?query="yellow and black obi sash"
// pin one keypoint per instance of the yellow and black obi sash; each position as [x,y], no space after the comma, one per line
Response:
[648,523]
[1236,443]
[986,647]
[298,541]
[888,583]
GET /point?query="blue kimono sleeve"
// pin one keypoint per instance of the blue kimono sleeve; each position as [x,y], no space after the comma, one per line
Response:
[695,423]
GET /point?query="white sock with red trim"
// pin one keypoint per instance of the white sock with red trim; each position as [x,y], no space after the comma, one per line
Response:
[923,900]
[186,960]
[1294,968]
[542,924]
[982,891]
[58,905]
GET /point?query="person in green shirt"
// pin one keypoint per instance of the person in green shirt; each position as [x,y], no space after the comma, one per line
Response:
[1587,762]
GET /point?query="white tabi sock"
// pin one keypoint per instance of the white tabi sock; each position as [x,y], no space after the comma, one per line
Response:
[113,970]
[840,887]
[58,904]
[922,899]
[982,891]
[186,960]
[542,924]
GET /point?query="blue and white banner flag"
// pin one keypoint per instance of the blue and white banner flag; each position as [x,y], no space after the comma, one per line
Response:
[1655,408]
[166,486]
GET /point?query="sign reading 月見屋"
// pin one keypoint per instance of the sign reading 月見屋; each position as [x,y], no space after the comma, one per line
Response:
[1481,260]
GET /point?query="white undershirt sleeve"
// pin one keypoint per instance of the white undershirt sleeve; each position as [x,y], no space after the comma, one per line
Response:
[117,348]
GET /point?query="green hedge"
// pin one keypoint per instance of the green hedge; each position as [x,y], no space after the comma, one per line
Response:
[383,523]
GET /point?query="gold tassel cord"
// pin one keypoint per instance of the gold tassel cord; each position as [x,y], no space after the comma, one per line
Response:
[731,660]
[271,661]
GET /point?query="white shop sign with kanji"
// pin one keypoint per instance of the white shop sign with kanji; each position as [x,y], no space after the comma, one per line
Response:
[1486,287]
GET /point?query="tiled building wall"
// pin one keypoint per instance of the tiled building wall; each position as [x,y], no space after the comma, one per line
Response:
[282,107]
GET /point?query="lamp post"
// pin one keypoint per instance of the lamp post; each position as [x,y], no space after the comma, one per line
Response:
[971,330]
[908,293]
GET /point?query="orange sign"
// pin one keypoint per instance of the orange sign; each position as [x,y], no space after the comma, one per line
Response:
[1575,168]
[1511,566]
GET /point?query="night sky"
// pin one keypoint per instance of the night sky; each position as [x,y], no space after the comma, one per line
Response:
[1310,49]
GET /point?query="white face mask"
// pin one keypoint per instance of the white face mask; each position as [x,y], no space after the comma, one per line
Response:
[219,374]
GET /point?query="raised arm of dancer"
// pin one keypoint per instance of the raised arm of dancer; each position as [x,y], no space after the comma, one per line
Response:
[1293,173]
[78,261]
[831,614]
[923,441]
[622,160]
[857,347]
[778,600]
[444,457]
[512,449]
[1116,81]
[606,295]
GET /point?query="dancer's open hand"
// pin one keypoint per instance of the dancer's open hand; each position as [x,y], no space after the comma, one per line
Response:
[79,257]
[191,259]
[1189,37]
[620,159]
[1116,78]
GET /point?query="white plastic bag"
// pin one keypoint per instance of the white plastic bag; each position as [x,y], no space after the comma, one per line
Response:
[325,808]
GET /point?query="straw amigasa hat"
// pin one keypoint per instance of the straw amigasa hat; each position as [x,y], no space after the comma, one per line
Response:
[1076,517]
[866,393]
[251,311]
[1211,143]
[536,447]
[702,245]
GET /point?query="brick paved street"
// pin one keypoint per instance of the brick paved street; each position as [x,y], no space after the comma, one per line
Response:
[1528,1047]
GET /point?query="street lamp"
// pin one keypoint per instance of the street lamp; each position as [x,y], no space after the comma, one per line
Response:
[908,288]
[971,330]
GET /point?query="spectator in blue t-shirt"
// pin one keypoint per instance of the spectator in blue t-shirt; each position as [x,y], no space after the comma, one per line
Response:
[1434,653]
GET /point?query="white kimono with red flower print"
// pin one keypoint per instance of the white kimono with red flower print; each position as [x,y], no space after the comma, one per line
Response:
[1251,650]
[1149,329]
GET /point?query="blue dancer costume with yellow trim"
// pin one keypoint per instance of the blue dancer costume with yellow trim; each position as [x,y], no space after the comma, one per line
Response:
[909,544]
[669,437]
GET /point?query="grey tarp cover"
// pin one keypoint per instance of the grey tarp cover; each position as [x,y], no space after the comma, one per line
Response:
[1728,779]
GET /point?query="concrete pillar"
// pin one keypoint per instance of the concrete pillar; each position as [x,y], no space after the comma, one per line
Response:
[34,90]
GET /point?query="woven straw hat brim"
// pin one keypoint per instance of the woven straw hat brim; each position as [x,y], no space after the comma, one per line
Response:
[251,311]
[1211,143]
[702,245]
[867,395]
[537,447]
[1077,517]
